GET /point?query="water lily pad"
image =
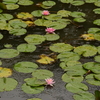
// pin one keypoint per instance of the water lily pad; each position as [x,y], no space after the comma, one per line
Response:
[12,6]
[8,53]
[1,36]
[70,78]
[68,56]
[98,48]
[77,3]
[76,87]
[10,1]
[96,22]
[48,3]
[5,72]
[86,50]
[97,58]
[64,13]
[84,96]
[37,13]
[32,90]
[97,76]
[90,1]
[93,30]
[17,31]
[3,24]
[35,39]
[25,2]
[7,84]
[24,15]
[96,11]
[5,16]
[35,99]
[51,37]
[42,74]
[26,47]
[25,67]
[34,81]
[19,23]
[61,47]
[97,3]
[66,1]
[8,45]
[79,19]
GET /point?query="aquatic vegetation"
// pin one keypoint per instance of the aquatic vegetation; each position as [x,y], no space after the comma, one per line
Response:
[45,12]
[50,30]
[49,81]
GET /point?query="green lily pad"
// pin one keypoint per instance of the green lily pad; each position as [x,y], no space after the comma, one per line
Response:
[26,47]
[97,76]
[8,53]
[66,1]
[25,2]
[86,50]
[1,10]
[37,13]
[84,96]
[96,22]
[42,74]
[77,3]
[8,45]
[96,11]
[76,87]
[79,19]
[10,1]
[68,56]
[70,78]
[48,3]
[12,6]
[25,67]
[1,36]
[60,47]
[5,16]
[90,1]
[98,48]
[51,37]
[32,90]
[3,25]
[64,13]
[93,30]
[97,3]
[34,81]
[17,31]
[34,99]
[97,36]
[97,58]
[19,23]
[35,39]
[7,84]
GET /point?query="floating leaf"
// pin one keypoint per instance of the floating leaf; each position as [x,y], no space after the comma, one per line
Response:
[12,6]
[96,11]
[35,99]
[68,56]
[42,74]
[37,13]
[93,30]
[8,45]
[10,1]
[8,53]
[51,37]
[77,14]
[48,3]
[84,96]
[64,13]
[2,6]
[90,1]
[97,76]
[29,23]
[5,16]
[66,1]
[1,36]
[86,50]
[19,23]
[25,2]
[97,58]
[5,72]
[98,48]
[32,90]
[61,47]
[70,78]
[97,36]
[7,84]
[25,67]
[24,15]
[34,81]
[17,31]
[26,47]
[45,59]
[96,22]
[77,3]
[35,39]
[3,24]
[76,87]
[79,19]
[97,3]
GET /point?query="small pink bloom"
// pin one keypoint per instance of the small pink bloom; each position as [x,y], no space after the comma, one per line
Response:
[50,30]
[45,12]
[49,81]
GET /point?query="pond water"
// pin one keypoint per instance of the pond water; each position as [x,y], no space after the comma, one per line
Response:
[71,35]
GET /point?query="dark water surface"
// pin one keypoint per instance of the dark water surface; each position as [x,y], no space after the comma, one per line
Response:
[71,34]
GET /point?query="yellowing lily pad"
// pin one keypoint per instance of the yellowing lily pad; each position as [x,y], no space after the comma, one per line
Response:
[5,72]
[45,59]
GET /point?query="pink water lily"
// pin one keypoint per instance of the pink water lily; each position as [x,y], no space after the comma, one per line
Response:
[49,81]
[50,30]
[45,12]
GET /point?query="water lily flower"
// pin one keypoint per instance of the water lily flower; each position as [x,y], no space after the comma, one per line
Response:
[50,30]
[49,81]
[45,12]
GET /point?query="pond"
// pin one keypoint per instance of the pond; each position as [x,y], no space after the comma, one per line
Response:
[31,52]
